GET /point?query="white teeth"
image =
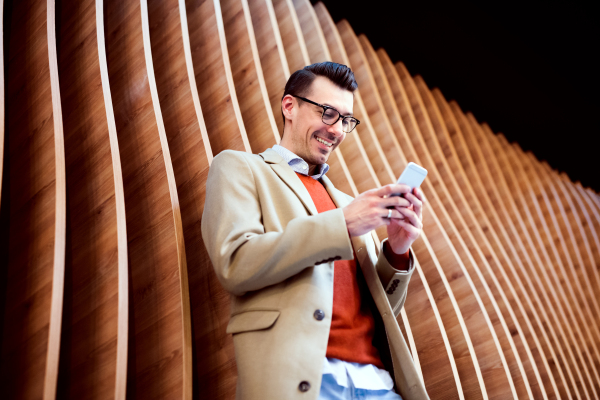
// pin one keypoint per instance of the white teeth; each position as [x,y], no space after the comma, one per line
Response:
[324,142]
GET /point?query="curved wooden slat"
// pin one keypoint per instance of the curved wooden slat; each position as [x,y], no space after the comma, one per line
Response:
[537,174]
[291,35]
[123,256]
[34,207]
[441,148]
[525,336]
[272,55]
[560,228]
[250,87]
[214,365]
[559,309]
[60,225]
[571,220]
[436,361]
[184,295]
[577,362]
[214,79]
[495,186]
[88,357]
[509,182]
[489,355]
[592,226]
[156,351]
[442,247]
[372,101]
[387,99]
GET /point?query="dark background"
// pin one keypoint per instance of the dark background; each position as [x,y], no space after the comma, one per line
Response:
[528,69]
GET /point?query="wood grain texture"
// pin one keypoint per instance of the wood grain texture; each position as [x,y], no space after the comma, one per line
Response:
[576,360]
[30,200]
[191,161]
[273,60]
[88,354]
[436,360]
[441,148]
[214,80]
[123,256]
[528,285]
[455,146]
[186,323]
[574,368]
[250,87]
[484,340]
[441,250]
[155,363]
[514,286]
[291,35]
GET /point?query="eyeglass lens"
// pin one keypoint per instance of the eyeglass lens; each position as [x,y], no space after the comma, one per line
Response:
[330,116]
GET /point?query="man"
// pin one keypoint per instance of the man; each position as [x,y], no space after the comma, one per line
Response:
[313,300]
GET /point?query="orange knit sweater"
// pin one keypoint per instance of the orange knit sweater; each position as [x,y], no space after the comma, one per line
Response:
[352,325]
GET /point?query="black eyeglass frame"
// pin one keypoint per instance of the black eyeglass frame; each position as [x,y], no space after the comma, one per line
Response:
[325,108]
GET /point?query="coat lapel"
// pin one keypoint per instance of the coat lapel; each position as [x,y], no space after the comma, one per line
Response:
[287,174]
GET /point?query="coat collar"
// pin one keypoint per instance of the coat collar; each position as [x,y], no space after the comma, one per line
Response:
[287,174]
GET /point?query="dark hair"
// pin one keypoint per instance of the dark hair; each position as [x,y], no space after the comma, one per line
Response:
[300,81]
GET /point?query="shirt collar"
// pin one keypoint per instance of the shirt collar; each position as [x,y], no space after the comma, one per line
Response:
[298,164]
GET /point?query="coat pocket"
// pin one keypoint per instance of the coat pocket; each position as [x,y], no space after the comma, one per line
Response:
[252,321]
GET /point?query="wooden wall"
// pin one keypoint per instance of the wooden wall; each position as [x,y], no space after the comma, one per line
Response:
[110,115]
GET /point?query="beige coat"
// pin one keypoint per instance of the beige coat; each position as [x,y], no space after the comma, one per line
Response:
[274,253]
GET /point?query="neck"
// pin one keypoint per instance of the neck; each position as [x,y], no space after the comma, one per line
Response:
[311,167]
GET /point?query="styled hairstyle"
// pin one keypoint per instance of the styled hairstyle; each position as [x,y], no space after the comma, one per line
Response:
[300,81]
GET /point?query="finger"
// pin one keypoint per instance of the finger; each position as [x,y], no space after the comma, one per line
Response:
[391,213]
[420,195]
[411,217]
[395,201]
[416,202]
[391,189]
[411,231]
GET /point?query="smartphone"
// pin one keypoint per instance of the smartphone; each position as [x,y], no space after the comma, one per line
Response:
[413,175]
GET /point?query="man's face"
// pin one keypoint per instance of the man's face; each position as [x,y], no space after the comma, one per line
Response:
[310,138]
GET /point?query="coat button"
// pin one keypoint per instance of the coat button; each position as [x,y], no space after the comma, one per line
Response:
[319,315]
[304,386]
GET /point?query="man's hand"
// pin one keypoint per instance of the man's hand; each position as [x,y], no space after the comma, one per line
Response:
[402,232]
[370,210]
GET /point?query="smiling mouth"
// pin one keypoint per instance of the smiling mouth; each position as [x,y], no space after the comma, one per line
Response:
[326,143]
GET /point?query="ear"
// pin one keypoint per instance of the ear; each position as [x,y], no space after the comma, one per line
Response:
[288,104]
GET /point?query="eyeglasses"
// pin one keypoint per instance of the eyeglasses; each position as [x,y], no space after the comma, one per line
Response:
[331,116]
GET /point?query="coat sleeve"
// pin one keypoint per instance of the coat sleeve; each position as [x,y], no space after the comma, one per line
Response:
[395,282]
[246,257]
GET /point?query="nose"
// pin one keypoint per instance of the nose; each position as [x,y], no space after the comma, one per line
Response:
[336,129]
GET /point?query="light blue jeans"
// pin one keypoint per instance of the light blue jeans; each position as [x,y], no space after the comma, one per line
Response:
[330,390]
